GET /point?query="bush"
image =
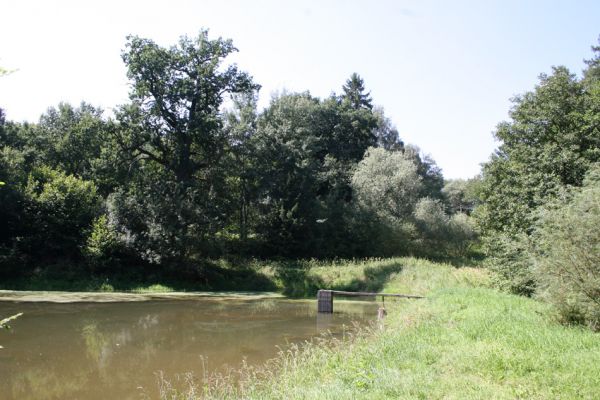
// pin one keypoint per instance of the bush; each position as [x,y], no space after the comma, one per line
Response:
[441,235]
[432,223]
[62,208]
[567,254]
[509,258]
[104,248]
[462,234]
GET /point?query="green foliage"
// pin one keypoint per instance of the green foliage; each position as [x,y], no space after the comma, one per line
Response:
[442,235]
[12,204]
[387,183]
[104,248]
[176,95]
[71,139]
[162,219]
[62,208]
[354,93]
[510,258]
[102,238]
[386,188]
[392,187]
[427,169]
[547,146]
[551,141]
[385,132]
[461,195]
[567,254]
[75,140]
[172,132]
[306,149]
[431,218]
[462,236]
[240,124]
[189,169]
[288,159]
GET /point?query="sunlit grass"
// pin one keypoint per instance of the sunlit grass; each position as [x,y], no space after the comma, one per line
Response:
[154,288]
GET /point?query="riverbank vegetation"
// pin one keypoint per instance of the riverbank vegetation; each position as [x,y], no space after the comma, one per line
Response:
[539,195]
[293,278]
[465,340]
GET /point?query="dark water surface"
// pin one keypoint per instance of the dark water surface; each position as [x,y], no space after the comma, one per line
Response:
[115,350]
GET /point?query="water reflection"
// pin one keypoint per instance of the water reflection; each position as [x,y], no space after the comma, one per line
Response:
[98,351]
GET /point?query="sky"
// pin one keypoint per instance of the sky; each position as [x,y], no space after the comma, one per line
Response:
[444,71]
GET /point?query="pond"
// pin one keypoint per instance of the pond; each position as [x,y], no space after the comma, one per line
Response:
[116,349]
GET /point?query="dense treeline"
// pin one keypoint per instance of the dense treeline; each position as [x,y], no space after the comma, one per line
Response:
[190,169]
[540,195]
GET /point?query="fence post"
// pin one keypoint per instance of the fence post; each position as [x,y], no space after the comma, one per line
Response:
[325,301]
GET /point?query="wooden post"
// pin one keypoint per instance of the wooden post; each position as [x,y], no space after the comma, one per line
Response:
[325,301]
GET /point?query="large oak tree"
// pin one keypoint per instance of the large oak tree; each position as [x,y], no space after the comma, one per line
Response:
[177,92]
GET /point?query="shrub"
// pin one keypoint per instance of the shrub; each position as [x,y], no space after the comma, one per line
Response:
[462,234]
[432,223]
[441,235]
[62,208]
[103,247]
[567,254]
[509,258]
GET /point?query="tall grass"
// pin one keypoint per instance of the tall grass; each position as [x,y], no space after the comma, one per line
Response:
[303,278]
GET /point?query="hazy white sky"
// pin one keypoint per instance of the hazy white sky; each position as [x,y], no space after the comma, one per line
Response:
[443,70]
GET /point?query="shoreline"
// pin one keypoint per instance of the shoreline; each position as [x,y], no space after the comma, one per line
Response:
[30,296]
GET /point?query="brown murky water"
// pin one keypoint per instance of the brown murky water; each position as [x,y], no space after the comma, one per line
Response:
[115,350]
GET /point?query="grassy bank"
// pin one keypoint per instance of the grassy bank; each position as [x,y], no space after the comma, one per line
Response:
[464,341]
[294,278]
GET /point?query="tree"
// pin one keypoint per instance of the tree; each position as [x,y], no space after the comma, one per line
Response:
[546,148]
[592,72]
[3,72]
[240,128]
[428,170]
[173,131]
[306,149]
[290,147]
[386,187]
[387,183]
[548,145]
[354,93]
[78,141]
[352,122]
[173,119]
[386,133]
[442,235]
